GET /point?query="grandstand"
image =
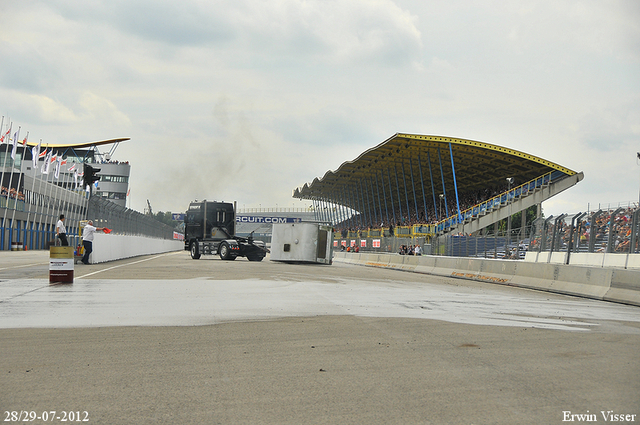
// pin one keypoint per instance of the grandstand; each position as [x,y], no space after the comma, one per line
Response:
[40,182]
[422,185]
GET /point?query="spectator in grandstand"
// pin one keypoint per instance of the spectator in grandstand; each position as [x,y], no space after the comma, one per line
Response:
[61,231]
[87,240]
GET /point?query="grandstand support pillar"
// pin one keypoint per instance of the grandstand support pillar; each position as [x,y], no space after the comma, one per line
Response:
[424,198]
[433,188]
[393,208]
[384,195]
[444,188]
[365,205]
[315,209]
[343,210]
[379,201]
[415,199]
[406,192]
[455,183]
[354,201]
[345,203]
[360,203]
[398,189]
[327,209]
[373,202]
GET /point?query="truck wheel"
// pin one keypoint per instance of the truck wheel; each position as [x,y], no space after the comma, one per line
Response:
[195,250]
[254,257]
[225,251]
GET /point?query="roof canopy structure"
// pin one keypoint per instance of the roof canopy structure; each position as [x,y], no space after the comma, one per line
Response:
[412,174]
[81,145]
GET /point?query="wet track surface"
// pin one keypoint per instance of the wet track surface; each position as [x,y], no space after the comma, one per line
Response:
[165,339]
[172,289]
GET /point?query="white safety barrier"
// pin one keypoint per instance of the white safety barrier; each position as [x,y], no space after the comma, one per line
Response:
[603,283]
[109,247]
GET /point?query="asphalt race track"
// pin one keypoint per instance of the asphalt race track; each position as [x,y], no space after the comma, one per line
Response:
[166,339]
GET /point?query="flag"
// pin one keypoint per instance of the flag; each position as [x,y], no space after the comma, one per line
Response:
[35,154]
[5,135]
[24,141]
[15,144]
[43,153]
[54,157]
[47,163]
[75,177]
[73,167]
[57,172]
[128,192]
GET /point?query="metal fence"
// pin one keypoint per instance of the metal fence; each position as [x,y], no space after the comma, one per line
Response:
[608,231]
[123,220]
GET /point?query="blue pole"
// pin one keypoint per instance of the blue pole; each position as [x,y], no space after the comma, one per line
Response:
[444,190]
[455,184]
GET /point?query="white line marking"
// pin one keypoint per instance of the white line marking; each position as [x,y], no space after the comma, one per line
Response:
[122,265]
[24,265]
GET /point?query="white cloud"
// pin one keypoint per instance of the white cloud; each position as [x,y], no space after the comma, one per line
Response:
[247,99]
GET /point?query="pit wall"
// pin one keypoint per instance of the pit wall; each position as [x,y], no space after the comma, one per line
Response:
[115,247]
[608,284]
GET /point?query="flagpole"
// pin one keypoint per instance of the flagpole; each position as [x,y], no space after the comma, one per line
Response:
[4,220]
[2,181]
[65,194]
[53,204]
[47,198]
[15,205]
[35,153]
[65,202]
[40,198]
[6,152]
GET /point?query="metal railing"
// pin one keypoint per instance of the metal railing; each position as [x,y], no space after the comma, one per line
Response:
[498,201]
[608,231]
[121,220]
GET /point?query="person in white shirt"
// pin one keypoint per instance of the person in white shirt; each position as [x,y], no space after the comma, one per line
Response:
[418,250]
[61,231]
[87,240]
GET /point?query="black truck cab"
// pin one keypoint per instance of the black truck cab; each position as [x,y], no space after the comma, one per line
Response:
[210,228]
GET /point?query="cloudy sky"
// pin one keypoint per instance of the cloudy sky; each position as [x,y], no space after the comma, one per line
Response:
[248,99]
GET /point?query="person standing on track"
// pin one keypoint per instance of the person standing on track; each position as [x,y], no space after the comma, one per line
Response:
[61,231]
[87,240]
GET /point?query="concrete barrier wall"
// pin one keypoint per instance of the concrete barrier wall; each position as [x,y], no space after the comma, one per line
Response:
[108,247]
[603,283]
[591,259]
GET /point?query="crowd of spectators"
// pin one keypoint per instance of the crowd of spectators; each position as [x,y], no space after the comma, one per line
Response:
[113,162]
[467,200]
[11,194]
[597,225]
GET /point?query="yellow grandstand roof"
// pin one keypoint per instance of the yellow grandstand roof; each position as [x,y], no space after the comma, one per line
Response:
[423,164]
